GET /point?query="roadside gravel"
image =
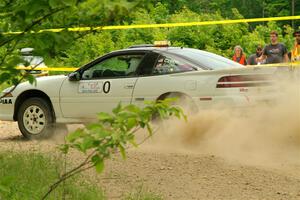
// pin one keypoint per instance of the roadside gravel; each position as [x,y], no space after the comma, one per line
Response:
[176,174]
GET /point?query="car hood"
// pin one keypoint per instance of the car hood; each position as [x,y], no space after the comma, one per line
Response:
[47,84]
[51,78]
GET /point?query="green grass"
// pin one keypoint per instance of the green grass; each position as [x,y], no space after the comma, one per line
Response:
[141,193]
[27,176]
[3,86]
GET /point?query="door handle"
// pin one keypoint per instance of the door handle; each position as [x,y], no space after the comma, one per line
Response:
[128,86]
[139,99]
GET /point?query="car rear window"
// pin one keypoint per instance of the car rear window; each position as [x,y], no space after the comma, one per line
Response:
[206,59]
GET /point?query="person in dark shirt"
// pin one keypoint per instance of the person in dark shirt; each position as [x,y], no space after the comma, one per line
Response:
[252,58]
[275,52]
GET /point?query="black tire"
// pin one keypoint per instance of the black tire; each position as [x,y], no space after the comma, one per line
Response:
[185,102]
[35,119]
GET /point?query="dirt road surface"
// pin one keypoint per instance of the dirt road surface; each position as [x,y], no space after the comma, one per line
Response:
[178,167]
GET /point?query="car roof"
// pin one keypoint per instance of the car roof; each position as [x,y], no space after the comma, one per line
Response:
[207,59]
[173,50]
[147,48]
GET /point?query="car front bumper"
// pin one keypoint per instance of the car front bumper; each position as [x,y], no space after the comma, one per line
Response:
[7,109]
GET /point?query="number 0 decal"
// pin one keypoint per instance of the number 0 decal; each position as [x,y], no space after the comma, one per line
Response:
[106,87]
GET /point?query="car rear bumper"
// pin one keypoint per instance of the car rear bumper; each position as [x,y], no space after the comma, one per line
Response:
[235,101]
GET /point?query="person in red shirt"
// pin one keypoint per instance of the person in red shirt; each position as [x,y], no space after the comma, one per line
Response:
[239,56]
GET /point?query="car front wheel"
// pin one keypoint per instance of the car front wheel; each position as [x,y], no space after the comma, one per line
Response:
[35,119]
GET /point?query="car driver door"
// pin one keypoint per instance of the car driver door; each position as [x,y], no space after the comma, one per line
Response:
[101,86]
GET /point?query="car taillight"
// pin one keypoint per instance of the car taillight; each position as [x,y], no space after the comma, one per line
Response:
[244,81]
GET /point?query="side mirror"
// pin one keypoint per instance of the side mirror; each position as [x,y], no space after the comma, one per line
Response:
[74,76]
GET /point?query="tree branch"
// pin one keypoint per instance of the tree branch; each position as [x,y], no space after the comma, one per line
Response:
[35,22]
[18,37]
[20,80]
[63,178]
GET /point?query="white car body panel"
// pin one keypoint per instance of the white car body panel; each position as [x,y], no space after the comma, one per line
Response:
[6,109]
[49,85]
[78,103]
[202,84]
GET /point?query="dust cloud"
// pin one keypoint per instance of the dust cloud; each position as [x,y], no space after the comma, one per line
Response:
[262,135]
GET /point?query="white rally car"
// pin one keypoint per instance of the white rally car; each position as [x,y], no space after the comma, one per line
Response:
[128,76]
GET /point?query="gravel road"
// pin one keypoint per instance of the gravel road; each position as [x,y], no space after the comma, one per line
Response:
[175,167]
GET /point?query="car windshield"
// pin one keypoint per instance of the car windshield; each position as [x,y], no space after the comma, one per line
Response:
[206,59]
[34,60]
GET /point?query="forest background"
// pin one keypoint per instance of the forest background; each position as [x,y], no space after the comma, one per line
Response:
[77,48]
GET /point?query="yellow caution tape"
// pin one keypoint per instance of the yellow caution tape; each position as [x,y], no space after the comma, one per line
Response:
[292,64]
[167,25]
[49,69]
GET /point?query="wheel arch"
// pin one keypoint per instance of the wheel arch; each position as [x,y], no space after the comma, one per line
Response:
[175,93]
[29,94]
[192,106]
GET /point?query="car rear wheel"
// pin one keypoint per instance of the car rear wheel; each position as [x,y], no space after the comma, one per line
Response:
[35,119]
[183,101]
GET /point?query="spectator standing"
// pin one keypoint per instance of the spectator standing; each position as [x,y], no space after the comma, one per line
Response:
[275,52]
[252,58]
[239,56]
[295,54]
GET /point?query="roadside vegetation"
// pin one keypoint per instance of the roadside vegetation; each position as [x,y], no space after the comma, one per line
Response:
[141,193]
[3,86]
[27,175]
[219,39]
[113,134]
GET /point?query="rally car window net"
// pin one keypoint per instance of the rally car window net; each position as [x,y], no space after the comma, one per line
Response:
[167,64]
[117,66]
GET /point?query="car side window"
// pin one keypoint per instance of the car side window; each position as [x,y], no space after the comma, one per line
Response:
[169,64]
[116,66]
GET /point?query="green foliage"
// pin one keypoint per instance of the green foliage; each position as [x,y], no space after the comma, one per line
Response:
[23,16]
[31,15]
[27,175]
[219,39]
[3,86]
[248,8]
[114,132]
[88,48]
